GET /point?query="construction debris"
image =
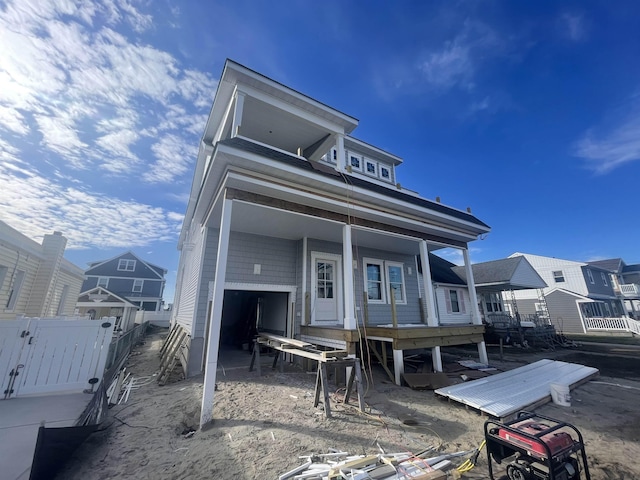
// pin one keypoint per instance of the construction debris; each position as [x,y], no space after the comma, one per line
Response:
[384,466]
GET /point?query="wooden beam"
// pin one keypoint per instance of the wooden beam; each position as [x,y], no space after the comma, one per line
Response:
[408,343]
[383,361]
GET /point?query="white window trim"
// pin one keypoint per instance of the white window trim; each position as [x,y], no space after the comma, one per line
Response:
[14,290]
[359,157]
[3,274]
[62,300]
[388,168]
[604,279]
[555,277]
[388,264]
[367,162]
[128,262]
[133,288]
[590,275]
[103,286]
[462,304]
[383,283]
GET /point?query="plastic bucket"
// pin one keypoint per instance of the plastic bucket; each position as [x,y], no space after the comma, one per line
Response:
[560,394]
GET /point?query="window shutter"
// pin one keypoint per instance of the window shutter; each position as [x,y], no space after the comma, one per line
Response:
[447,297]
[461,301]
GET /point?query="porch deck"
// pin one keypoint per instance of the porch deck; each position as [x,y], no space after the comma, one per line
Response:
[402,337]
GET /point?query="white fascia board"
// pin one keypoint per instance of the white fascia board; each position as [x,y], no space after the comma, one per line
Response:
[305,115]
[367,148]
[241,75]
[348,191]
[329,203]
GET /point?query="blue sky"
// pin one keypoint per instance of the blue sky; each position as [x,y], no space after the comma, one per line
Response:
[527,112]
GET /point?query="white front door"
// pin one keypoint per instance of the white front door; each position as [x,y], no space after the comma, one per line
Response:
[326,285]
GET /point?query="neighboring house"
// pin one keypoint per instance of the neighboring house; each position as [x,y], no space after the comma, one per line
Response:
[496,283]
[98,302]
[626,283]
[295,227]
[129,278]
[577,293]
[35,279]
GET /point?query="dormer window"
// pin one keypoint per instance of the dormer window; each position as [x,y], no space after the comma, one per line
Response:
[335,155]
[355,162]
[385,173]
[371,168]
[126,265]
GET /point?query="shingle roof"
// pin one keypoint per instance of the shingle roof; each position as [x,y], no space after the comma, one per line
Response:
[442,271]
[495,271]
[294,161]
[611,264]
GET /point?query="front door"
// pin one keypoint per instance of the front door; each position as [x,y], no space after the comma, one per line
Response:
[326,289]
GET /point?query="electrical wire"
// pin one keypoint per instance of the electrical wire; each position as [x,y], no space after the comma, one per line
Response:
[471,462]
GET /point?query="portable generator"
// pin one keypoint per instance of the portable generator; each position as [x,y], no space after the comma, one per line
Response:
[537,448]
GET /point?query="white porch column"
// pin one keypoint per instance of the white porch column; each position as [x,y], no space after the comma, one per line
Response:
[347,276]
[211,364]
[340,158]
[237,113]
[432,314]
[303,320]
[473,298]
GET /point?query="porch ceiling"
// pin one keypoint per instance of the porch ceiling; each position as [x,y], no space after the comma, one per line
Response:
[271,222]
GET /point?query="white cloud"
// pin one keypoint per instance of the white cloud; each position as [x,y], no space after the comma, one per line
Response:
[606,149]
[36,205]
[11,119]
[173,157]
[53,61]
[455,63]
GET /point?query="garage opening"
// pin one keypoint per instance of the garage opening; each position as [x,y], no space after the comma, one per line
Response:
[244,313]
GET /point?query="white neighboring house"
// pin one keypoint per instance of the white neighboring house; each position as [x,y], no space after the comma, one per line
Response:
[577,293]
[35,279]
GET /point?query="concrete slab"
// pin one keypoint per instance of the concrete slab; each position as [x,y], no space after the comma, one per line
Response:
[20,419]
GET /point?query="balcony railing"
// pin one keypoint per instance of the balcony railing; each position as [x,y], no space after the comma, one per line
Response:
[630,290]
[621,324]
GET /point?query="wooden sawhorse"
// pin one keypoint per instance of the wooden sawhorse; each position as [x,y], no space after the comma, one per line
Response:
[336,358]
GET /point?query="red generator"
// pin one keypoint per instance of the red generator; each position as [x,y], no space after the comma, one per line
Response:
[537,448]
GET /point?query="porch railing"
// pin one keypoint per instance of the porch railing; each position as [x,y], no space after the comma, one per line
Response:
[621,324]
[630,290]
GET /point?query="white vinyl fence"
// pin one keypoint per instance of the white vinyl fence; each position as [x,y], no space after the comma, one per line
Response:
[159,319]
[51,355]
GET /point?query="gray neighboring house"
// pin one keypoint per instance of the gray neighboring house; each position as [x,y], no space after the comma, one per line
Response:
[626,283]
[297,227]
[138,284]
[579,298]
[497,281]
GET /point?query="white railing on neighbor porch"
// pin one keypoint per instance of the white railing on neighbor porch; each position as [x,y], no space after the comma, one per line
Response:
[620,324]
[630,290]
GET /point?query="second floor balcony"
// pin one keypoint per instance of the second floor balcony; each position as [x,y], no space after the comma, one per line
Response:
[630,290]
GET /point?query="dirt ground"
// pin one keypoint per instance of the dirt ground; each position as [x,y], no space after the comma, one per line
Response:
[264,423]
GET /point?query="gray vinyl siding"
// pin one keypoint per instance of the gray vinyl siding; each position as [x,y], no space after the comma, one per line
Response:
[276,257]
[564,312]
[380,314]
[526,306]
[208,273]
[598,287]
[190,281]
